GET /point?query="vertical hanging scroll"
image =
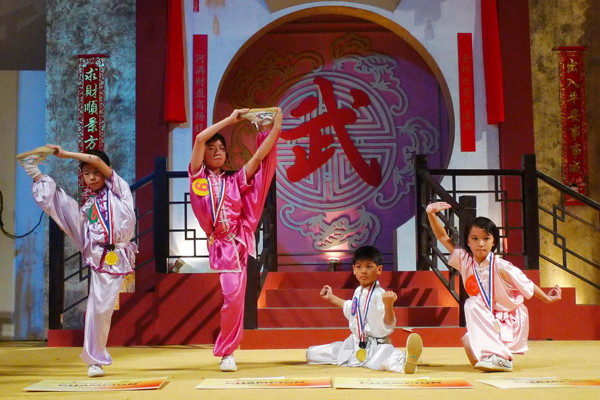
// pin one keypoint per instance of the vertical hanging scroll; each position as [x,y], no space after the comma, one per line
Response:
[199,84]
[466,96]
[90,133]
[574,119]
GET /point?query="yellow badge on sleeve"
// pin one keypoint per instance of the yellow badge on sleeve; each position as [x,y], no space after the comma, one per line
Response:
[200,187]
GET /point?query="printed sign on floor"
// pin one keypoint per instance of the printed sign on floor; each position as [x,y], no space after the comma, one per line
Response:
[96,385]
[521,383]
[401,383]
[264,383]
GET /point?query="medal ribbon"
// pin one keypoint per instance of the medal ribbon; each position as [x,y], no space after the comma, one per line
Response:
[488,298]
[362,322]
[106,221]
[215,208]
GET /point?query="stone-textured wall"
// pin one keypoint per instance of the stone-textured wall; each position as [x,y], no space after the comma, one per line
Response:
[89,27]
[566,23]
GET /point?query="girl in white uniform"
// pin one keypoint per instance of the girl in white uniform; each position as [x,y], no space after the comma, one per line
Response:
[371,319]
[497,319]
[101,230]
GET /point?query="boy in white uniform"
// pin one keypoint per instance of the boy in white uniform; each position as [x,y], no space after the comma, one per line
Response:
[371,319]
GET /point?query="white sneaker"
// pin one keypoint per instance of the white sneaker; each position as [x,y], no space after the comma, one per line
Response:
[414,348]
[95,371]
[494,364]
[228,364]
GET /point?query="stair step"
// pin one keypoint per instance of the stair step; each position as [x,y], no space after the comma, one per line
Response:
[289,338]
[407,280]
[345,279]
[326,317]
[311,297]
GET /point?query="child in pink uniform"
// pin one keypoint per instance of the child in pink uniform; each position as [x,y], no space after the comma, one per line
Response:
[497,319]
[228,207]
[110,254]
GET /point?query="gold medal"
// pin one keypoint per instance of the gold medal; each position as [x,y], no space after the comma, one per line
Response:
[111,258]
[210,241]
[361,355]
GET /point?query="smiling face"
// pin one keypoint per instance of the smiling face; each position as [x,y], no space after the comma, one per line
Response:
[215,155]
[366,271]
[480,242]
[92,177]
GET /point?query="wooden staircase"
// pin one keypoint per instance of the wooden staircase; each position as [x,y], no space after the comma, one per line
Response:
[291,313]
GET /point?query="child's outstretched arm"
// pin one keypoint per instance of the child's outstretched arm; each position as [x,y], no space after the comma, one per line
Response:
[91,159]
[198,149]
[552,296]
[265,147]
[389,298]
[328,295]
[436,224]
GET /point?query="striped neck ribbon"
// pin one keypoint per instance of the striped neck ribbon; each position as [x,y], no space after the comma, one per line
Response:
[488,297]
[362,322]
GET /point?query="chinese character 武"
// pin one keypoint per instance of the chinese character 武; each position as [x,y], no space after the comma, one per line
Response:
[319,151]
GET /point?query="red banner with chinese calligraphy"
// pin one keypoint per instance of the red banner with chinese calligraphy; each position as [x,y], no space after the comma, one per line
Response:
[90,133]
[574,119]
[465,83]
[199,84]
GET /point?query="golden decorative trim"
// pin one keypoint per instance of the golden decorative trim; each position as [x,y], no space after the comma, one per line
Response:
[354,12]
[277,5]
[246,83]
[350,43]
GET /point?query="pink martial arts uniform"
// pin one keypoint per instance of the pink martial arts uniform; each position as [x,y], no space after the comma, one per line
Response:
[233,236]
[90,239]
[381,354]
[504,330]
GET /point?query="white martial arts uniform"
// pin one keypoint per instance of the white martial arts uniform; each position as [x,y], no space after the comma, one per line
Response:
[90,239]
[381,354]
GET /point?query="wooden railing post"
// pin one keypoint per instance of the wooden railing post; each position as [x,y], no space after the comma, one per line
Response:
[251,298]
[56,275]
[531,214]
[421,222]
[160,214]
[468,212]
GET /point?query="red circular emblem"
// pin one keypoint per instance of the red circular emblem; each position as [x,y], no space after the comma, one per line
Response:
[471,286]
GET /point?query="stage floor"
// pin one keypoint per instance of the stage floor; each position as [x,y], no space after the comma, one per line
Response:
[25,363]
